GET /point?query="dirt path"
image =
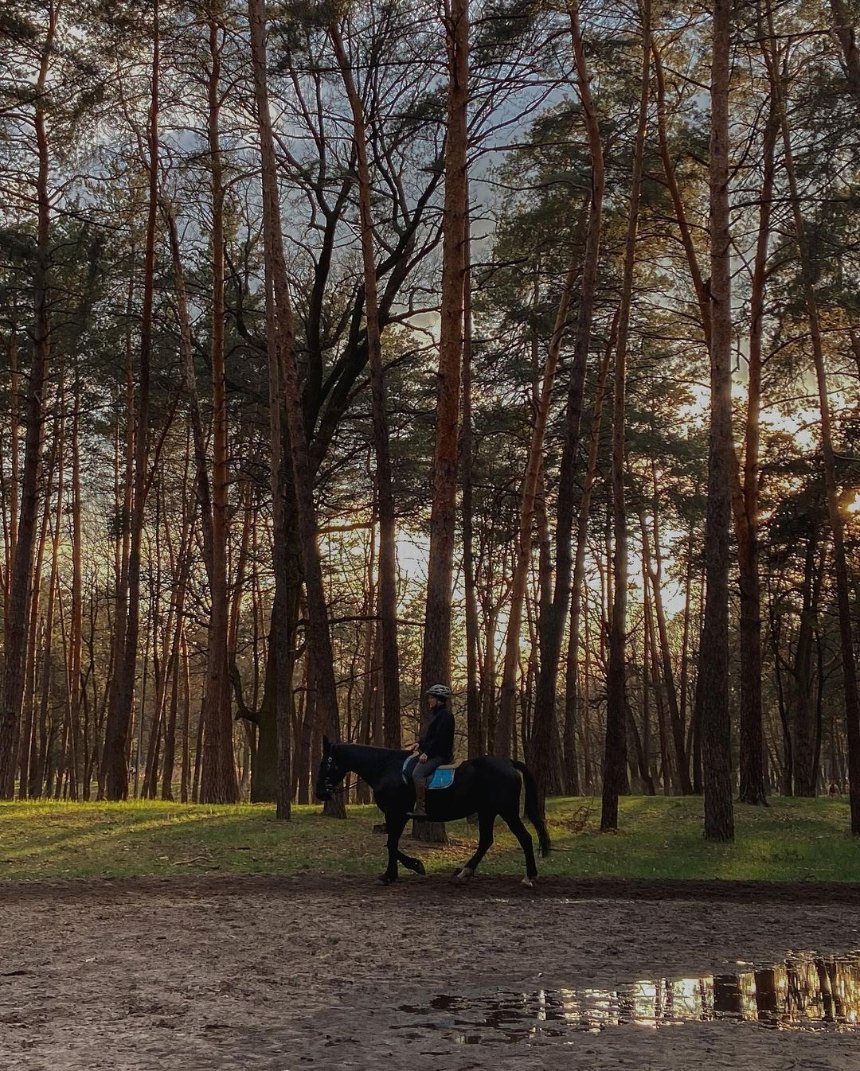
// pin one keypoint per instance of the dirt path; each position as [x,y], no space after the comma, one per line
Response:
[278,974]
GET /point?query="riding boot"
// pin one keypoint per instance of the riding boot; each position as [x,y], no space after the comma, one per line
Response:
[420,808]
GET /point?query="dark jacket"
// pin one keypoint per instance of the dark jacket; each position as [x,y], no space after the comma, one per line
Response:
[437,740]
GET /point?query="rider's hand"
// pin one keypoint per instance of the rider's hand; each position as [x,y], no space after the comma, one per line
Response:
[422,758]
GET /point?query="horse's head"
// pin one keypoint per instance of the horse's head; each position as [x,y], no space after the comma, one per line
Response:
[330,774]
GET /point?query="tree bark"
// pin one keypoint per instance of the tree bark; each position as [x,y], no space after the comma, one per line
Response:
[282,354]
[75,685]
[540,755]
[714,647]
[651,679]
[676,719]
[21,581]
[662,679]
[615,755]
[218,782]
[843,593]
[387,598]
[38,762]
[436,653]
[114,768]
[553,620]
[475,728]
[54,581]
[753,774]
[572,705]
[803,769]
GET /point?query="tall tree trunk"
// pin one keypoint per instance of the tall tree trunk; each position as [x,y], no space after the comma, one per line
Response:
[11,535]
[553,620]
[676,719]
[40,739]
[387,602]
[843,593]
[683,676]
[282,351]
[802,697]
[714,646]
[34,734]
[436,653]
[21,582]
[753,775]
[218,783]
[653,598]
[123,481]
[744,498]
[169,759]
[475,728]
[114,768]
[76,625]
[54,581]
[615,756]
[651,672]
[541,750]
[572,705]
[185,768]
[488,672]
[705,299]
[587,748]
[168,668]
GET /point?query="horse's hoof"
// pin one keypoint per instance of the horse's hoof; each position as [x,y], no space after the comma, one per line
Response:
[530,882]
[387,879]
[420,869]
[465,874]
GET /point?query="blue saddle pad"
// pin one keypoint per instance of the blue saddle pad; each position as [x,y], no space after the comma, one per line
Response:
[438,779]
[441,779]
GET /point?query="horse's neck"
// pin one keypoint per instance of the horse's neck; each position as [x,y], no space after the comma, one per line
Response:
[369,763]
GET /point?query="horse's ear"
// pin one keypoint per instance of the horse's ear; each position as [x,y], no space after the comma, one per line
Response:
[326,745]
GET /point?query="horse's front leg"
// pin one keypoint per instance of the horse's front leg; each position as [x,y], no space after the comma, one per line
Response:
[394,824]
[411,863]
[486,821]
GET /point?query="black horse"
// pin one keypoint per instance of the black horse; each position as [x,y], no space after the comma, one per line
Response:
[487,787]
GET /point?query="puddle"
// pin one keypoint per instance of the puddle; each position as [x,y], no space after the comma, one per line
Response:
[806,992]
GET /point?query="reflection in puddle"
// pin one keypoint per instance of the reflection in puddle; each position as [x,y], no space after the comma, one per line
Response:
[806,992]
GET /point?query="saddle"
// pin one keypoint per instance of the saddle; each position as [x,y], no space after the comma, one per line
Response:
[442,776]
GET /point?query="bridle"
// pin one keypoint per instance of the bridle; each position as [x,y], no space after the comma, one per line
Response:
[328,782]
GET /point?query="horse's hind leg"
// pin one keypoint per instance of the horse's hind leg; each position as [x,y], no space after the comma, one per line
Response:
[486,821]
[526,843]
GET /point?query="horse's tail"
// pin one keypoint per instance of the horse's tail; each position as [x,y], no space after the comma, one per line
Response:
[533,809]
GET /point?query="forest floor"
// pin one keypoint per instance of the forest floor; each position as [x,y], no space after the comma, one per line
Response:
[280,973]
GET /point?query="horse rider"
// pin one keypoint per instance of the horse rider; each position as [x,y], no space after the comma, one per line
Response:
[435,746]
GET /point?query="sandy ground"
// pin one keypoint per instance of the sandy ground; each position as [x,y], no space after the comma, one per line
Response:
[280,974]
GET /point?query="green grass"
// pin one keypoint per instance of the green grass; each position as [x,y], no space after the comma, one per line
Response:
[792,840]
